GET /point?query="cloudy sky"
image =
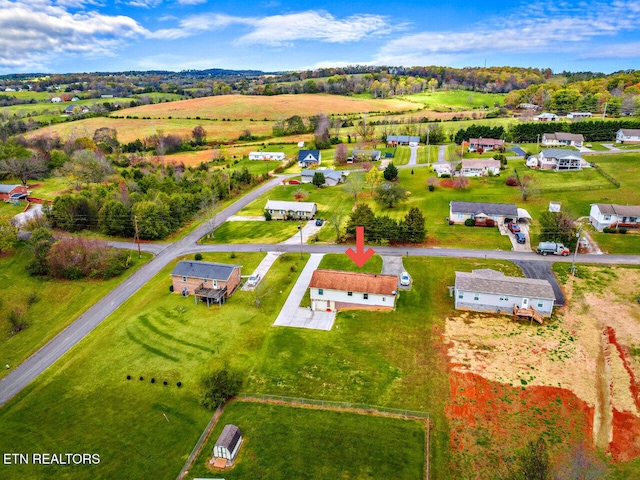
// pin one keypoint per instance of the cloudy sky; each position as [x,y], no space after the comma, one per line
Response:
[61,36]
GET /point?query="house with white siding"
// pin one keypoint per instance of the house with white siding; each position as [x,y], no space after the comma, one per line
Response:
[546,117]
[604,215]
[557,159]
[267,155]
[412,140]
[488,290]
[579,115]
[283,210]
[628,135]
[333,290]
[481,211]
[308,158]
[562,139]
[331,177]
[480,168]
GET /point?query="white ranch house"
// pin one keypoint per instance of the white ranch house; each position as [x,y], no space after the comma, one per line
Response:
[442,169]
[480,168]
[579,115]
[365,155]
[488,290]
[604,215]
[546,117]
[267,155]
[283,210]
[562,139]
[557,159]
[333,290]
[628,135]
[461,211]
[410,140]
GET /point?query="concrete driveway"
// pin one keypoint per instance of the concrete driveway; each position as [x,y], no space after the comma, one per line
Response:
[515,246]
[292,315]
[263,268]
[392,265]
[308,231]
[542,270]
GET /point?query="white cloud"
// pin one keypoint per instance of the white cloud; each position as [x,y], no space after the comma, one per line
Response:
[191,2]
[284,29]
[31,34]
[536,28]
[144,3]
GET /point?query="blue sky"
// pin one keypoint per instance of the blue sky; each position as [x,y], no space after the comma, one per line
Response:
[61,36]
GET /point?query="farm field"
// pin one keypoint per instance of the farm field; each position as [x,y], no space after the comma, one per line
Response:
[456,99]
[320,444]
[48,305]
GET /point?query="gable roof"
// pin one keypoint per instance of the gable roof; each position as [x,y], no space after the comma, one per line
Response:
[500,209]
[290,206]
[491,281]
[560,153]
[630,132]
[487,163]
[328,173]
[309,156]
[214,271]
[403,138]
[562,136]
[229,437]
[354,282]
[486,141]
[6,188]
[619,210]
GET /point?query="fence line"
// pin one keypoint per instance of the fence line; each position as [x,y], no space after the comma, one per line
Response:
[606,175]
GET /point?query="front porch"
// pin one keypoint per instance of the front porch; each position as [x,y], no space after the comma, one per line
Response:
[527,313]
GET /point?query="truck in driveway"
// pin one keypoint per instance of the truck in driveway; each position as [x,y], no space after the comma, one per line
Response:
[544,248]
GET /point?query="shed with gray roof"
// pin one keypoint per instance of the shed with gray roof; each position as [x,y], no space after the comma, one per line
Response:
[491,291]
[228,443]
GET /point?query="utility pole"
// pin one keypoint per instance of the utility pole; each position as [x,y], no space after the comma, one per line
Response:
[604,114]
[575,253]
[300,228]
[428,148]
[137,237]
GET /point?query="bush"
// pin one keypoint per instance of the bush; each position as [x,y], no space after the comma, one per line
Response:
[141,378]
[218,386]
[432,188]
[267,216]
[128,377]
[197,257]
[622,230]
[512,181]
[153,380]
[179,384]
[292,268]
[470,222]
[165,383]
[171,288]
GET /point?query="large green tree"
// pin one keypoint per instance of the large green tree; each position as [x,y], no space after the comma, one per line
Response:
[318,179]
[114,218]
[390,194]
[412,228]
[219,386]
[362,216]
[390,172]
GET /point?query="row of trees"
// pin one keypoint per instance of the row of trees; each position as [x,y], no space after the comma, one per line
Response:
[384,229]
[593,131]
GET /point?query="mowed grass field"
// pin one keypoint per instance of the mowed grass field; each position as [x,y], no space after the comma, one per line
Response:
[245,107]
[48,306]
[317,444]
[456,99]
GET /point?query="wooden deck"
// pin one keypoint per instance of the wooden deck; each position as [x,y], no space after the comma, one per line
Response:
[530,313]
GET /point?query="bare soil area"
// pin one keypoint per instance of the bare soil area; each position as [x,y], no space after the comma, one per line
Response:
[587,356]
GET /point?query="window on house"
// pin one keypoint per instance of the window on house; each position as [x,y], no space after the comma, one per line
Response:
[633,219]
[184,279]
[504,298]
[281,212]
[607,218]
[365,296]
[460,294]
[540,304]
[476,296]
[320,291]
[384,299]
[215,283]
[460,216]
[349,294]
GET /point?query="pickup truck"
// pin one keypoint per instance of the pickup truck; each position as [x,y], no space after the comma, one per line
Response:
[544,248]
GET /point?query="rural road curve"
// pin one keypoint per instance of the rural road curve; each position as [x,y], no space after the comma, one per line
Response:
[23,374]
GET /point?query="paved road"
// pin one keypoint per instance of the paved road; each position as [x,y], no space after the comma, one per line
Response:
[22,375]
[441,154]
[413,159]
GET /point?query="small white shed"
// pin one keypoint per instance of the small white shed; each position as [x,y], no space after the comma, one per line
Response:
[228,443]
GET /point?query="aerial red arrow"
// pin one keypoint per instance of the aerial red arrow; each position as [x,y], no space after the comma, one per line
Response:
[360,256]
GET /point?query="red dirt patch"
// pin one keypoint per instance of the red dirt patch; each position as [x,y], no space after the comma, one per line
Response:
[625,445]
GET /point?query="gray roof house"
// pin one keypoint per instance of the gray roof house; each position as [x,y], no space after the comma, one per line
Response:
[488,290]
[373,155]
[403,140]
[309,157]
[283,210]
[628,135]
[563,139]
[461,211]
[604,215]
[331,177]
[228,443]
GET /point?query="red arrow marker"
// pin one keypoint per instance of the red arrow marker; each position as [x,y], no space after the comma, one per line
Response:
[360,256]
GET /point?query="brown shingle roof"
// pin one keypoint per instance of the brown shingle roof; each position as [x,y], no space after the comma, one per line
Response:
[354,282]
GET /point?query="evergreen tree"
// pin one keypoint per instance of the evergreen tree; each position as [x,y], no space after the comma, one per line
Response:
[390,172]
[318,179]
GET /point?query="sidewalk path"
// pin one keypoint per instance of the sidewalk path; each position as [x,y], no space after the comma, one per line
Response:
[292,315]
[308,231]
[263,268]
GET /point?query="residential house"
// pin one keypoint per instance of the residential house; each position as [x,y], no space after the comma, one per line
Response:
[267,156]
[442,169]
[614,216]
[546,117]
[366,155]
[628,135]
[557,159]
[71,109]
[211,282]
[337,290]
[481,211]
[529,106]
[403,140]
[307,158]
[488,290]
[487,144]
[562,139]
[283,210]
[228,443]
[579,115]
[480,168]
[13,192]
[331,177]
[56,100]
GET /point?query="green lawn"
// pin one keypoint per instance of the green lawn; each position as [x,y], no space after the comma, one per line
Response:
[253,232]
[615,243]
[295,443]
[456,99]
[48,305]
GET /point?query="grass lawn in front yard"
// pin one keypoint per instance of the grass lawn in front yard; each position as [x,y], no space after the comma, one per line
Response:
[48,306]
[628,244]
[248,231]
[294,443]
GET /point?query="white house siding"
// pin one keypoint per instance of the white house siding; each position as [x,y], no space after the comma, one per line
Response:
[489,302]
[340,300]
[598,219]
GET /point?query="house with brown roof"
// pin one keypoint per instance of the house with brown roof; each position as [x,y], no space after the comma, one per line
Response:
[333,290]
[485,144]
[487,290]
[480,168]
[603,215]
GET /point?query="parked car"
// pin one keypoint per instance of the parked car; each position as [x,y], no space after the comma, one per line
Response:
[520,238]
[513,227]
[319,222]
[253,280]
[294,182]
[405,280]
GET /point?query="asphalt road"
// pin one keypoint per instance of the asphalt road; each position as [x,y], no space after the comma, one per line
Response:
[542,271]
[23,374]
